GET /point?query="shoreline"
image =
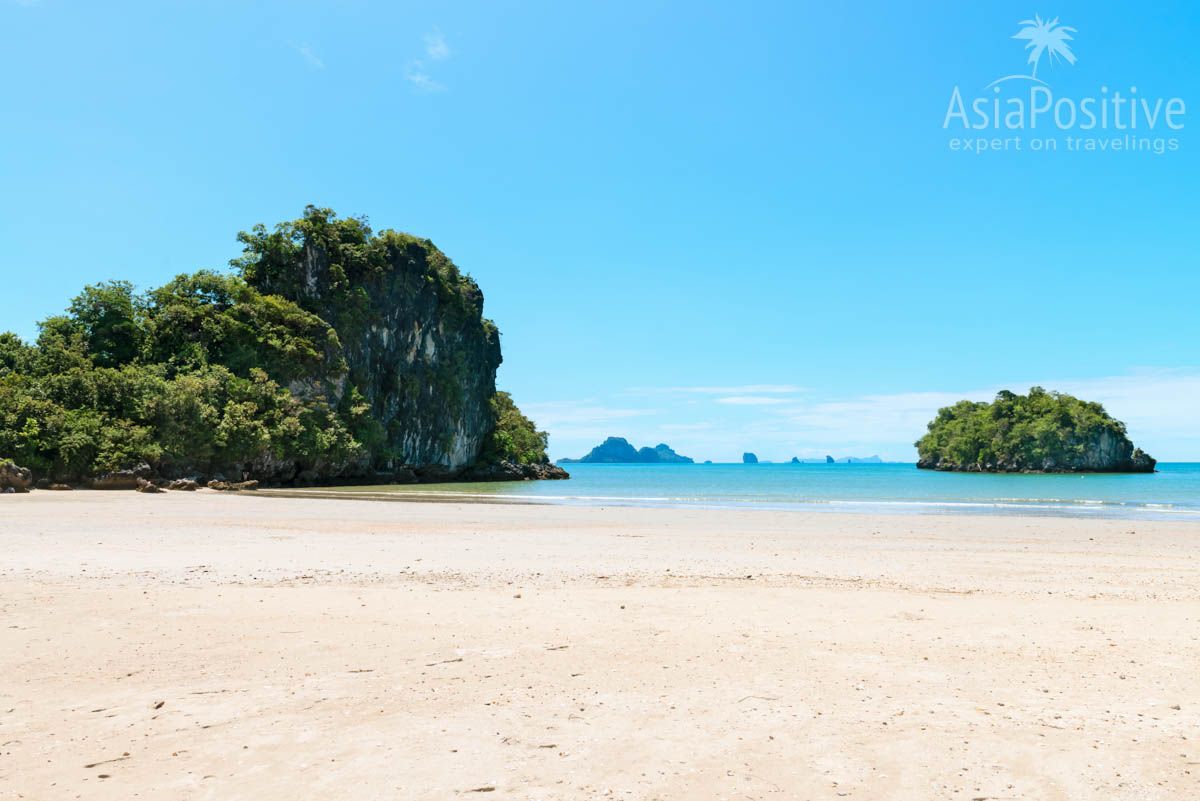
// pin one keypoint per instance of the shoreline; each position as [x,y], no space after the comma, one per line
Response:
[1050,508]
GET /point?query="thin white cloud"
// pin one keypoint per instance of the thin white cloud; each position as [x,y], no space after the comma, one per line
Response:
[416,74]
[309,55]
[686,427]
[751,400]
[1158,407]
[435,46]
[576,426]
[744,389]
[579,412]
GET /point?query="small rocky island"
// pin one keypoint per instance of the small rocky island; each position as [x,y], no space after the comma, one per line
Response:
[617,450]
[1042,432]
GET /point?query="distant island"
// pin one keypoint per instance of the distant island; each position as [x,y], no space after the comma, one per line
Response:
[617,450]
[844,460]
[1042,432]
[330,354]
[749,458]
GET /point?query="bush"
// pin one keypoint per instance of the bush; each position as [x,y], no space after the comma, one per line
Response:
[515,437]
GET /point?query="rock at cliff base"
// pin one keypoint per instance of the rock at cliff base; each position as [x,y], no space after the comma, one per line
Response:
[14,478]
[126,479]
[232,486]
[510,471]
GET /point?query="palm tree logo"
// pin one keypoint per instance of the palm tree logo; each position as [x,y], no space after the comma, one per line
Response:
[1043,37]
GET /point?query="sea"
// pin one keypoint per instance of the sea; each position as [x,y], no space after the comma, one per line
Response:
[1171,493]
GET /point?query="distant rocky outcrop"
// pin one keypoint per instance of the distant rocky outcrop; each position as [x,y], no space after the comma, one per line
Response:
[617,450]
[844,460]
[662,454]
[1042,432]
[749,458]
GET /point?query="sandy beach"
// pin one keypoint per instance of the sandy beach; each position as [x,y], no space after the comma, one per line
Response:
[208,646]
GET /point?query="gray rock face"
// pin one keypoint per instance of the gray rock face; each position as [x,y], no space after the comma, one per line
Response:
[1106,451]
[1102,454]
[417,346]
[13,477]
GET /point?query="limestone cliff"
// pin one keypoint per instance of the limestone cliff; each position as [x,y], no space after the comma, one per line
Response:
[337,355]
[419,352]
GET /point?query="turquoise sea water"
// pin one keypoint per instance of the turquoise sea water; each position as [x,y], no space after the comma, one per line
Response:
[1173,492]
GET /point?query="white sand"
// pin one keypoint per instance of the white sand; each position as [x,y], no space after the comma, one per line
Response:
[204,646]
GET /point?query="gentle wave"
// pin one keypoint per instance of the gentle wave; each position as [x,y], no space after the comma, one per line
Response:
[1064,507]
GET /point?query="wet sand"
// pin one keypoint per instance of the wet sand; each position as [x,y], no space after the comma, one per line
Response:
[208,646]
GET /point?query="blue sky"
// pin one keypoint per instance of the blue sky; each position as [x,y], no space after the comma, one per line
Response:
[727,227]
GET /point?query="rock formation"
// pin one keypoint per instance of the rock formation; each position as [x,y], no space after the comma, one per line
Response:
[334,354]
[512,471]
[749,458]
[1042,432]
[617,450]
[416,345]
[14,478]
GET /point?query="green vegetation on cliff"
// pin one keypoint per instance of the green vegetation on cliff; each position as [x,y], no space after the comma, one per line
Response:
[514,437]
[1039,432]
[332,353]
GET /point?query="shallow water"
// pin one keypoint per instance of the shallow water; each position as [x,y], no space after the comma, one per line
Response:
[1171,493]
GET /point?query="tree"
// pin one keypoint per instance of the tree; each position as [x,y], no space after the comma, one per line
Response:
[515,437]
[109,315]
